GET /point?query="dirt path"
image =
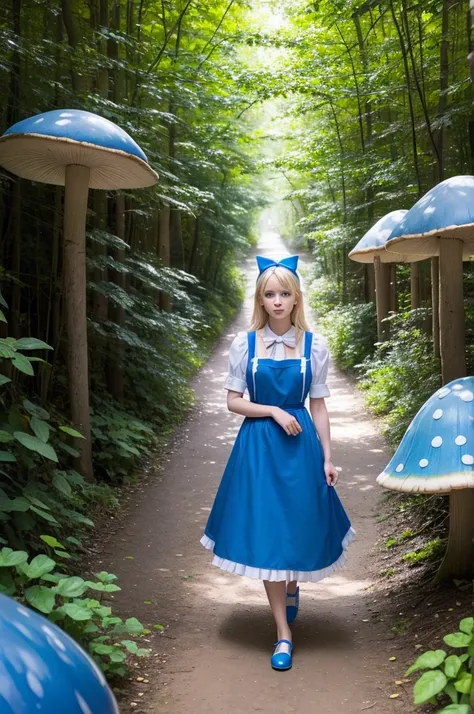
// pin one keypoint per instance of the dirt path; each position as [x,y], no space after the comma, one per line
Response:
[215,656]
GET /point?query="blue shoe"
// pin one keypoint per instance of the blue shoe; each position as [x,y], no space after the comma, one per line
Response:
[292,605]
[282,660]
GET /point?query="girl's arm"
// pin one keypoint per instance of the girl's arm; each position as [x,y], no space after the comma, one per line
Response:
[320,416]
[238,405]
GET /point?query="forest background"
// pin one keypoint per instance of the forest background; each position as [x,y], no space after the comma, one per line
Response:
[326,114]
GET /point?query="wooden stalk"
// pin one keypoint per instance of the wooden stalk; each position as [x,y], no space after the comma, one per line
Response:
[435,304]
[75,210]
[382,297]
[415,286]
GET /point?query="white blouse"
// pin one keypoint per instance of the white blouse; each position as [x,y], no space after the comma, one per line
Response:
[238,357]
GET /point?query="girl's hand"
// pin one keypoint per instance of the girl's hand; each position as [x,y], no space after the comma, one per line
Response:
[287,421]
[331,473]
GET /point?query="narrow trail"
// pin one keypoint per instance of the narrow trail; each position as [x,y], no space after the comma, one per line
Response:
[216,651]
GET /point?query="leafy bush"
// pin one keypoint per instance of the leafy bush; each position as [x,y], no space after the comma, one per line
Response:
[402,375]
[351,332]
[448,677]
[73,603]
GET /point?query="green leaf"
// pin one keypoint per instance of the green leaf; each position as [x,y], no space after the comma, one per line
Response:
[51,541]
[101,649]
[76,612]
[90,629]
[7,584]
[71,587]
[452,665]
[68,449]
[158,627]
[62,484]
[4,380]
[456,709]
[44,514]
[458,639]
[35,444]
[20,505]
[103,587]
[428,686]
[117,655]
[5,437]
[9,557]
[464,683]
[142,652]
[132,626]
[72,432]
[428,660]
[40,565]
[7,456]
[40,429]
[23,364]
[2,317]
[41,598]
[130,645]
[35,410]
[31,343]
[467,625]
[105,577]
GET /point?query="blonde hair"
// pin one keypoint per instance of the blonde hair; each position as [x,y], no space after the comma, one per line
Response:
[290,282]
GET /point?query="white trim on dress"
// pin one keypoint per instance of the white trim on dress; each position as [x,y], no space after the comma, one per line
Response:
[311,576]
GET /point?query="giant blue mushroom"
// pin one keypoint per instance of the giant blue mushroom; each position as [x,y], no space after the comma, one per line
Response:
[78,150]
[371,249]
[436,455]
[441,224]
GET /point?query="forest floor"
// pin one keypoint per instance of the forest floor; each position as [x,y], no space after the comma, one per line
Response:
[213,655]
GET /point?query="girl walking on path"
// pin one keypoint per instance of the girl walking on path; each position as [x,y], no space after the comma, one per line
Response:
[276,516]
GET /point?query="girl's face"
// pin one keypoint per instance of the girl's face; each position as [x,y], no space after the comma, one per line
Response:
[277,300]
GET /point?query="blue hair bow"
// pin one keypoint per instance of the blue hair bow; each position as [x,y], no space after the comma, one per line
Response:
[290,264]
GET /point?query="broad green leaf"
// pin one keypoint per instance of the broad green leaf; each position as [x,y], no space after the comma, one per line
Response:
[44,514]
[5,436]
[90,628]
[20,505]
[467,625]
[62,484]
[428,686]
[40,429]
[36,502]
[71,587]
[458,639]
[7,456]
[23,364]
[51,541]
[7,584]
[117,655]
[35,444]
[132,626]
[35,410]
[464,683]
[452,665]
[39,566]
[2,317]
[72,432]
[68,449]
[142,652]
[76,612]
[102,649]
[31,343]
[9,557]
[456,709]
[103,587]
[41,598]
[4,380]
[105,577]
[428,660]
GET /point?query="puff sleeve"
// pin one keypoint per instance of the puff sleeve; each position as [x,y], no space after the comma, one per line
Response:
[238,357]
[319,368]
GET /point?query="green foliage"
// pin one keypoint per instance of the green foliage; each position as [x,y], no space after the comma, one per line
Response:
[431,550]
[447,677]
[75,604]
[401,376]
[351,334]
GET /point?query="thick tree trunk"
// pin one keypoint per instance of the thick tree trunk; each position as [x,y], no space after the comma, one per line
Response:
[393,288]
[75,210]
[382,280]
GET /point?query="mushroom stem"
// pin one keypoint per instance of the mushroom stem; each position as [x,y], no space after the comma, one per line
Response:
[459,557]
[435,304]
[382,297]
[451,310]
[75,211]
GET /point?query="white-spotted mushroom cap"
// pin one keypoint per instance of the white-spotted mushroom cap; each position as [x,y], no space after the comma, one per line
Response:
[446,211]
[39,148]
[436,455]
[372,243]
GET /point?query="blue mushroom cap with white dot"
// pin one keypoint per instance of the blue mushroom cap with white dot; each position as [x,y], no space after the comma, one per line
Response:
[39,149]
[436,455]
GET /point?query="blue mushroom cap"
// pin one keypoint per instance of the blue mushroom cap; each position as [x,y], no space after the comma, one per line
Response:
[436,455]
[373,242]
[40,147]
[447,210]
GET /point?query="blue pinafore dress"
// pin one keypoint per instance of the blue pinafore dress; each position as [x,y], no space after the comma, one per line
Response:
[274,516]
